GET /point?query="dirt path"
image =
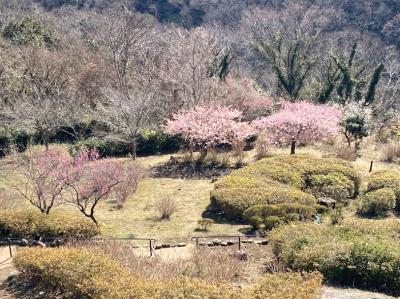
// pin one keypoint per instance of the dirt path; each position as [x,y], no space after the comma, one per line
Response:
[342,293]
[6,269]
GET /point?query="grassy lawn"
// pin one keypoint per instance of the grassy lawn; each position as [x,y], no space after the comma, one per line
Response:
[139,217]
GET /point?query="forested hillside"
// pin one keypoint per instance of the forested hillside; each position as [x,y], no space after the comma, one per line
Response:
[156,57]
[381,18]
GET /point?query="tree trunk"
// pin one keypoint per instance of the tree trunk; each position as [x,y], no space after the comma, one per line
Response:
[134,149]
[91,216]
[46,141]
[293,146]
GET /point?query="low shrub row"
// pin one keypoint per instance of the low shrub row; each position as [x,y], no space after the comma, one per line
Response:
[149,142]
[361,252]
[16,139]
[382,194]
[28,223]
[285,179]
[271,215]
[78,273]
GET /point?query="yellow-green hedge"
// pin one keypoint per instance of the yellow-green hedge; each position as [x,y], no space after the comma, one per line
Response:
[28,223]
[364,253]
[78,273]
[285,179]
[384,180]
[378,203]
[234,198]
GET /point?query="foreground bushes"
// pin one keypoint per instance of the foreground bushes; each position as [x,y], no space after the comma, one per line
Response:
[363,253]
[285,179]
[78,273]
[28,223]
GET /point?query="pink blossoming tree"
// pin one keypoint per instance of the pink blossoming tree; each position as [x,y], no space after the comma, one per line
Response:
[245,95]
[302,122]
[207,126]
[42,174]
[53,178]
[93,181]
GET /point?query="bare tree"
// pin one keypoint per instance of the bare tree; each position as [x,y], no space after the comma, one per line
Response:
[44,104]
[132,97]
[196,66]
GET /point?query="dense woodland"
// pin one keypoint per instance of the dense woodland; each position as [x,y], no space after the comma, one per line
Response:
[77,69]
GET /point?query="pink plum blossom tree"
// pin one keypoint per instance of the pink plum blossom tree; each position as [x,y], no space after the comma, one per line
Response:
[42,174]
[245,95]
[95,184]
[302,122]
[51,178]
[207,126]
[93,180]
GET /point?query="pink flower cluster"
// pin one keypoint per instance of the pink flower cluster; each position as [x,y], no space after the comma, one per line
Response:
[304,121]
[84,181]
[207,126]
[244,94]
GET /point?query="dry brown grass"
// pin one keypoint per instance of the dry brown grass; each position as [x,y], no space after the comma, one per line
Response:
[166,207]
[346,153]
[202,263]
[391,153]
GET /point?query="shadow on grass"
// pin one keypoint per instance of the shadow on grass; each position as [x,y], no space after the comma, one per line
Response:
[212,213]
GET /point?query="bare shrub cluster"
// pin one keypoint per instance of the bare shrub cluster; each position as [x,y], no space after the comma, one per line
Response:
[200,263]
[391,153]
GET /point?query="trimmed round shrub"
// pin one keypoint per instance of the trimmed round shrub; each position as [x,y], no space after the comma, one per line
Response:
[28,223]
[291,217]
[287,212]
[360,252]
[334,185]
[378,203]
[385,179]
[236,198]
[285,179]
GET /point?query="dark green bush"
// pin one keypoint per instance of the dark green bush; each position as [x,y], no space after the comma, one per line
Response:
[29,31]
[292,179]
[287,212]
[28,223]
[271,222]
[149,142]
[378,203]
[106,148]
[362,253]
[5,141]
[15,139]
[156,141]
[20,139]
